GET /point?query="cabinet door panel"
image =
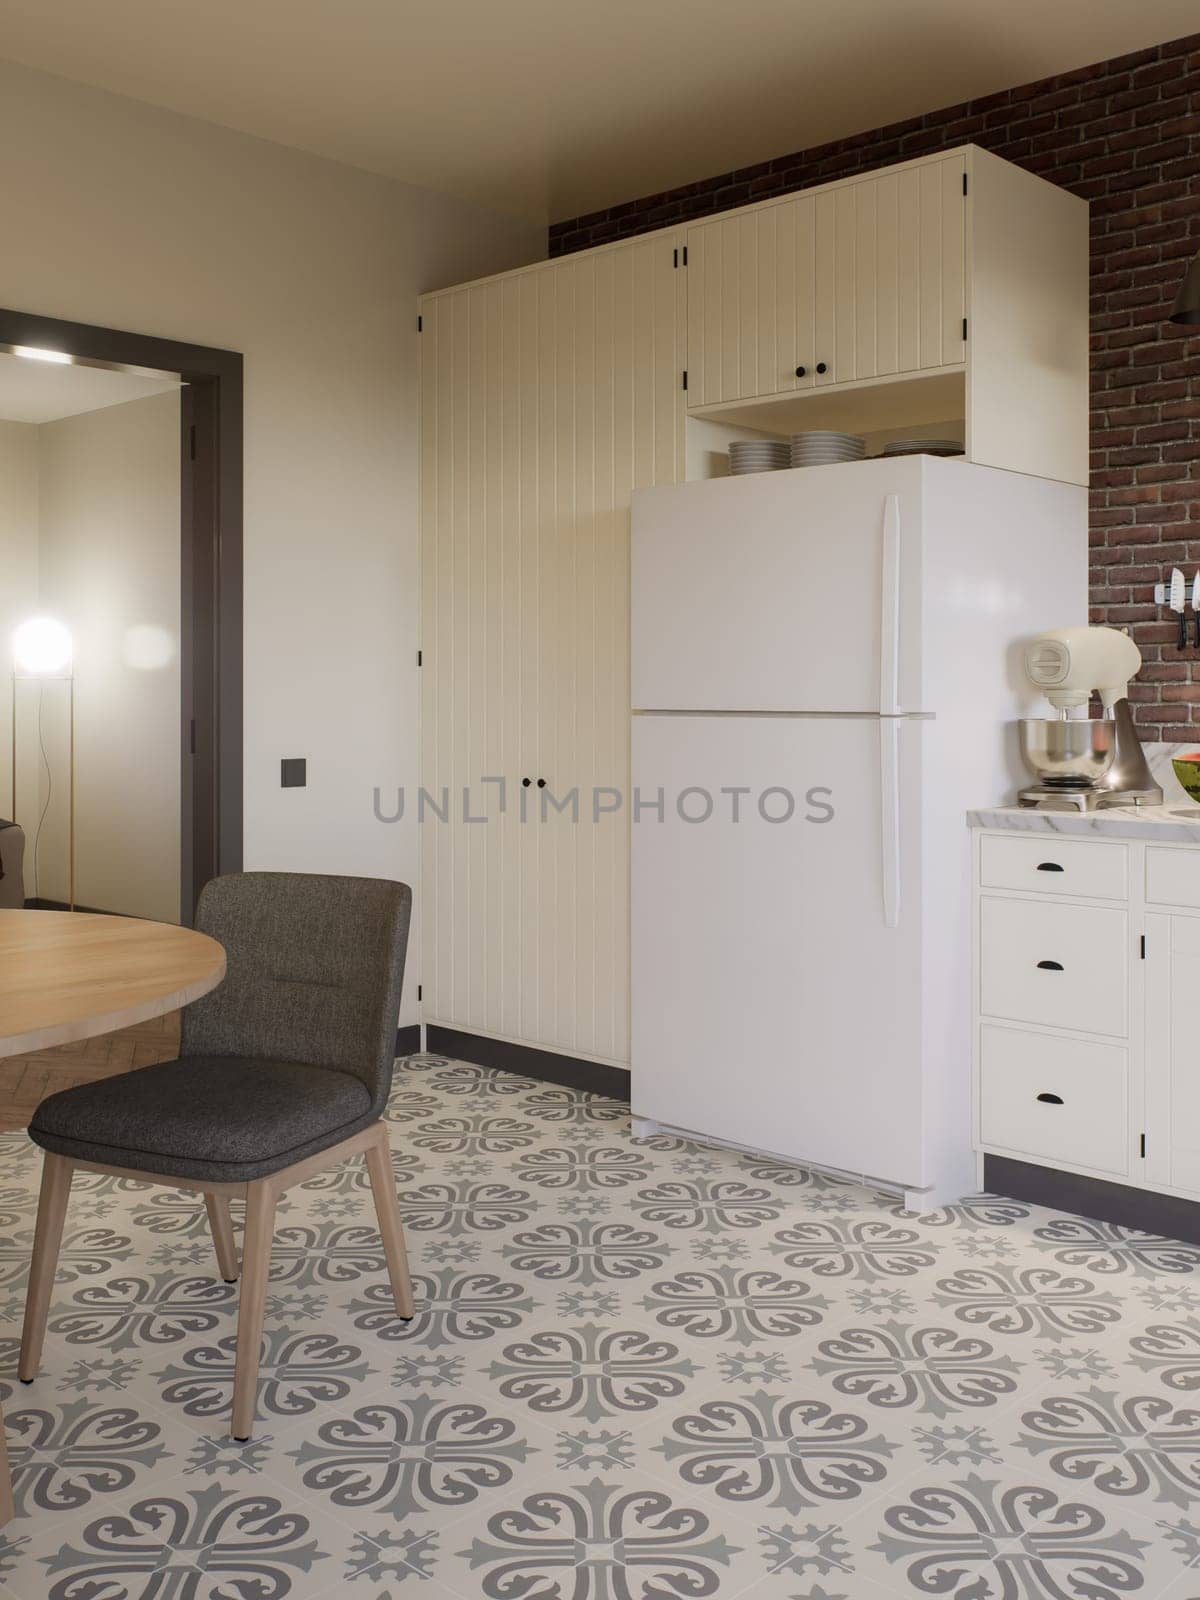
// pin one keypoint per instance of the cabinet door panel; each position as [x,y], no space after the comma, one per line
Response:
[866,278]
[1172,1052]
[547,396]
[750,285]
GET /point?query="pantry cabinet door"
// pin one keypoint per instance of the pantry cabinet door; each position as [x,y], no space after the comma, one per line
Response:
[548,395]
[750,303]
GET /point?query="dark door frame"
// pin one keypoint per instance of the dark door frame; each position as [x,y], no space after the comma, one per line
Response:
[210,573]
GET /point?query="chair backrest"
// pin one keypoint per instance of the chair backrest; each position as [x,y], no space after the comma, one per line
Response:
[314,969]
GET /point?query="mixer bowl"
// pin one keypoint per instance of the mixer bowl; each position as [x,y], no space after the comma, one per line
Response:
[1075,752]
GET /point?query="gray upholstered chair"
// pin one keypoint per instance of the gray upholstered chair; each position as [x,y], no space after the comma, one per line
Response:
[284,1070]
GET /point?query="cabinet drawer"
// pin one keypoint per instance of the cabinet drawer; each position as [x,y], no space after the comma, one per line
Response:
[1061,965]
[1053,865]
[1055,1099]
[1173,876]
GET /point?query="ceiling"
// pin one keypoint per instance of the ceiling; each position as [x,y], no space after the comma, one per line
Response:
[41,391]
[549,108]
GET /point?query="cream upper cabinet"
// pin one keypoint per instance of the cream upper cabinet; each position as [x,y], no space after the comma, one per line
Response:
[865,279]
[548,395]
[947,294]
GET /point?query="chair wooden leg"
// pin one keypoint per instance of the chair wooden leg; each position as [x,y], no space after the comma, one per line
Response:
[6,1492]
[256,1265]
[391,1229]
[221,1227]
[52,1210]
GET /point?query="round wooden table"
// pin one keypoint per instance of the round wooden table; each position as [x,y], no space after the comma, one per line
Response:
[67,975]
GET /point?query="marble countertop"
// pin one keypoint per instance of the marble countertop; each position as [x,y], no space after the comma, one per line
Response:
[1114,822]
[1160,823]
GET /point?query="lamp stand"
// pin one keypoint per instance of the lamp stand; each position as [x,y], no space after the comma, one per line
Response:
[70,682]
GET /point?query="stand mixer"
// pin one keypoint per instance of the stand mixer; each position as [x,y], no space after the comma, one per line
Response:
[1085,762]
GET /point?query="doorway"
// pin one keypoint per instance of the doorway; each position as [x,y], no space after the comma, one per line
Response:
[210,568]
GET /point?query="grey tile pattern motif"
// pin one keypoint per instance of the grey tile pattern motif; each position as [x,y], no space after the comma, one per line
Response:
[639,1370]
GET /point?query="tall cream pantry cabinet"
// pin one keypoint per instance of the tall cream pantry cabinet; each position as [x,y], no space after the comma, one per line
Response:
[548,395]
[945,296]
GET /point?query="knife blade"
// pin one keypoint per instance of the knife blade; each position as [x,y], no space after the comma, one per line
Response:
[1196,605]
[1178,604]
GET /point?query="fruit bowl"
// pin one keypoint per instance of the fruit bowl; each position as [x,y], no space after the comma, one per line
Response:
[1187,770]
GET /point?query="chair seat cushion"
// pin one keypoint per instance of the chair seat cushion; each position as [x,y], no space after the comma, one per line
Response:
[224,1119]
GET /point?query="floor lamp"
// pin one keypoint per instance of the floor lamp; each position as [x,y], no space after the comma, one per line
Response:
[43,651]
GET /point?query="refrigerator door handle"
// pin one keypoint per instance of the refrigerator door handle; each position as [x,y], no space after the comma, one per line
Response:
[889,818]
[889,611]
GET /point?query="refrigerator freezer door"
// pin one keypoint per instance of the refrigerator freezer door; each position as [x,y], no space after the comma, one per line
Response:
[785,591]
[777,964]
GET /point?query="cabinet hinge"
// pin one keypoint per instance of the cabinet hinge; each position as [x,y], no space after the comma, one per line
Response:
[420,655]
[964,183]
[685,377]
[1143,947]
[420,324]
[964,330]
[1143,1147]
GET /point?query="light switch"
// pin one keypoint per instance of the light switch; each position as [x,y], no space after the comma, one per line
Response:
[293,772]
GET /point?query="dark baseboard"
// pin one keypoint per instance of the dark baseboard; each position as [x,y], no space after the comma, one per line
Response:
[408,1040]
[545,1065]
[1164,1214]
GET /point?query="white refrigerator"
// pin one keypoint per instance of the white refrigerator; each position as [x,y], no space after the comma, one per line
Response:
[826,672]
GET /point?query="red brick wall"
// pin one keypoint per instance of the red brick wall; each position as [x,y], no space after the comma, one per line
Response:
[1124,134]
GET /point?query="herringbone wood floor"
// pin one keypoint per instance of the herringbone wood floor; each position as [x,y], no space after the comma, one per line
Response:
[25,1081]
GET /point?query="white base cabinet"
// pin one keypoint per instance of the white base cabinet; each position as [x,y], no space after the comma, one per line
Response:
[1087,972]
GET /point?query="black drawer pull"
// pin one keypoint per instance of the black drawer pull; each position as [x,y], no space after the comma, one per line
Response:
[1051,1099]
[1049,866]
[1050,966]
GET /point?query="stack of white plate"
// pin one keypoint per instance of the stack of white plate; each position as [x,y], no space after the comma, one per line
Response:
[758,455]
[924,447]
[818,449]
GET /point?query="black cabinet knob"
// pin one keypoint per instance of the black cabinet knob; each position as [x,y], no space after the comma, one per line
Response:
[525,782]
[821,367]
[541,783]
[800,371]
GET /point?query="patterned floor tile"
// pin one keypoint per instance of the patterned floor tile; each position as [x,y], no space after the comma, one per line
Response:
[639,1368]
[412,1459]
[69,1451]
[202,1541]
[998,1532]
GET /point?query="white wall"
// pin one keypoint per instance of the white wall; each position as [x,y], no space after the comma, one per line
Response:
[108,566]
[120,214]
[18,568]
